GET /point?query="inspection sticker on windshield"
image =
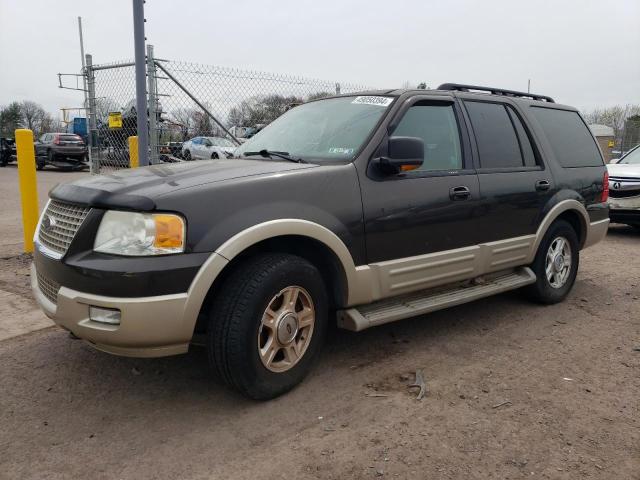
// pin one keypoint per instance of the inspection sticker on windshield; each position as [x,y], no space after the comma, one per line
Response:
[372,100]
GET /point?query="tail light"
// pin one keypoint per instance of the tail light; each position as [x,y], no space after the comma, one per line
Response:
[605,187]
[56,141]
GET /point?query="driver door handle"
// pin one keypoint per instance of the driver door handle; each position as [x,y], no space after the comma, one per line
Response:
[459,193]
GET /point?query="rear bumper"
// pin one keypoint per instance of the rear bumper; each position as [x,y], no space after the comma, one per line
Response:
[69,151]
[149,326]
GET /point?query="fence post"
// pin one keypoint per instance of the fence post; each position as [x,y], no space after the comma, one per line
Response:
[142,123]
[133,152]
[154,142]
[28,185]
[94,162]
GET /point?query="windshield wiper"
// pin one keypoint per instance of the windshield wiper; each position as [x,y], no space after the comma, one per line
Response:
[273,153]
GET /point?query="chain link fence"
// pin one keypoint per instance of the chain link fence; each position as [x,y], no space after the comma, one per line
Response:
[219,107]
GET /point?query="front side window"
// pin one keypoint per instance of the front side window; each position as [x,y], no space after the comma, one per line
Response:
[331,129]
[436,125]
[499,146]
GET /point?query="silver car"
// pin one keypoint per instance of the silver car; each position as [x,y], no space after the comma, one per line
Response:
[624,189]
[207,148]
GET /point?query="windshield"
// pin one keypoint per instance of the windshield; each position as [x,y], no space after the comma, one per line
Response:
[632,157]
[331,129]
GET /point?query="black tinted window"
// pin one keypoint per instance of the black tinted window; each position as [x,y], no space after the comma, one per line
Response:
[570,139]
[437,126]
[498,144]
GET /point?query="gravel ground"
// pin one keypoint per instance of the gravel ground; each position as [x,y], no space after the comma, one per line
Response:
[515,390]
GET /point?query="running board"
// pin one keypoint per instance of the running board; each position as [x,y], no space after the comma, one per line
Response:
[419,303]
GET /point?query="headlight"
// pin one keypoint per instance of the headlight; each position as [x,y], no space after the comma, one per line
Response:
[138,234]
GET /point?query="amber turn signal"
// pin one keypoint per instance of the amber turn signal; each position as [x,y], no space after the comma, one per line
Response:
[169,231]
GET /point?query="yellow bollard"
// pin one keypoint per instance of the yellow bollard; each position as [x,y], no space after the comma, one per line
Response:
[28,185]
[133,152]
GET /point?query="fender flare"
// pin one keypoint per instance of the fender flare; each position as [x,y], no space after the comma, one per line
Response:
[219,259]
[553,214]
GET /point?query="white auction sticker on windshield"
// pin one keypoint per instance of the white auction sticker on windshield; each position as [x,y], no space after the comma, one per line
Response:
[373,100]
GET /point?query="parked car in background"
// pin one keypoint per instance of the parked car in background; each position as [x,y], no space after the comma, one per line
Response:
[63,150]
[403,203]
[624,188]
[7,150]
[170,151]
[207,148]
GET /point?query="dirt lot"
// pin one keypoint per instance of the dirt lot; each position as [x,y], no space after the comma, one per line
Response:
[515,390]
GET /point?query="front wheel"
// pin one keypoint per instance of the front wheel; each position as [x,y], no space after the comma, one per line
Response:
[555,264]
[268,323]
[187,155]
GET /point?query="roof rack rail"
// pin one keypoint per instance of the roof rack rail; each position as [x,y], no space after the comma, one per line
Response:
[495,91]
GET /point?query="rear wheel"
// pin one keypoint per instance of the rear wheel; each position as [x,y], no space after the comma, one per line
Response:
[214,156]
[555,264]
[187,155]
[268,324]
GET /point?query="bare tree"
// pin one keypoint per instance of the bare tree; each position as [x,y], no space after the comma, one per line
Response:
[261,109]
[103,107]
[615,117]
[34,117]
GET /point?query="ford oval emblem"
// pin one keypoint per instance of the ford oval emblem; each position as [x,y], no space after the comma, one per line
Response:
[48,222]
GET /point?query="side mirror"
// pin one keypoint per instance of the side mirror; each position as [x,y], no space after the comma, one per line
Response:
[405,154]
[208,143]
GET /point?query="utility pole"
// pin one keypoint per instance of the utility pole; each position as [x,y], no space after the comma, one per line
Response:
[529,86]
[141,90]
[84,77]
[86,97]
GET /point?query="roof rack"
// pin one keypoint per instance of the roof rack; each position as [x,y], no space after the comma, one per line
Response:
[495,91]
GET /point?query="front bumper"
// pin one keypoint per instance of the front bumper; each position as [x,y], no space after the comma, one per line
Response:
[149,326]
[624,210]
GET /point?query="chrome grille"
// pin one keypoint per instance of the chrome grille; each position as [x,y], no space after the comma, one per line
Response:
[59,224]
[49,288]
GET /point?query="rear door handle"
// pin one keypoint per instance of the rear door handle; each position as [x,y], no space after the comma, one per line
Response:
[459,193]
[542,185]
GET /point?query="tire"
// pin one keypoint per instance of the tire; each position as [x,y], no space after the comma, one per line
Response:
[552,290]
[214,156]
[236,330]
[187,155]
[40,162]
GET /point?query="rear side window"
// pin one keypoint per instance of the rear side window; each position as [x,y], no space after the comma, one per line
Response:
[570,139]
[501,138]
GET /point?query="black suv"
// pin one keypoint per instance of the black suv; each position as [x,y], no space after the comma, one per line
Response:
[374,207]
[64,150]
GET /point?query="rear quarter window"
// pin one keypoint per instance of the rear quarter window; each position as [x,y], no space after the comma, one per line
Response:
[569,137]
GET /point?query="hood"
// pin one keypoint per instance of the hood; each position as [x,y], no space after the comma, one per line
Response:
[624,170]
[137,189]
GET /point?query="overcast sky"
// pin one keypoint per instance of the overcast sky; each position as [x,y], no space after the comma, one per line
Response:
[581,52]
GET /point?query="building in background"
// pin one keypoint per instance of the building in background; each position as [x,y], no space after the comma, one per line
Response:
[606,139]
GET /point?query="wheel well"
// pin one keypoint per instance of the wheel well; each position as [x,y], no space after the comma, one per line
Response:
[577,222]
[314,251]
